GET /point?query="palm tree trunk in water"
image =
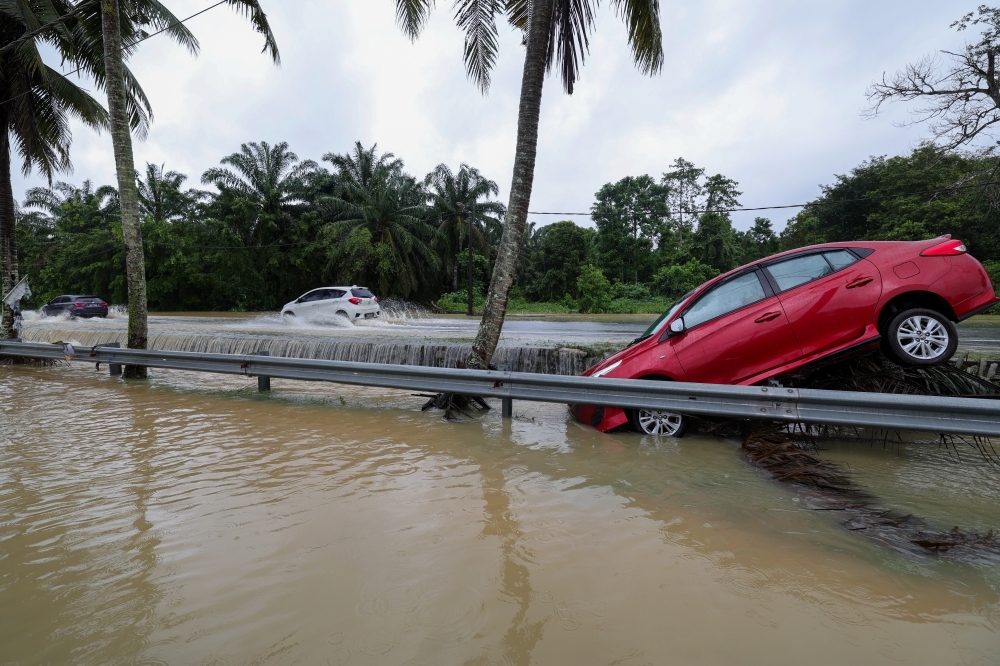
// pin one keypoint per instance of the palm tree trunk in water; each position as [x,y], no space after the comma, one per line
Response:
[135,268]
[8,237]
[520,189]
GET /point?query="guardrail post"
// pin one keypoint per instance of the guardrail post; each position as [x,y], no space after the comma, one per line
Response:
[114,368]
[506,408]
[263,383]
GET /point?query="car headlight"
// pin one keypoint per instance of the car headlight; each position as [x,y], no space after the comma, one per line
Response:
[604,371]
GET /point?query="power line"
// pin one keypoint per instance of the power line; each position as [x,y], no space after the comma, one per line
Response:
[706,210]
[138,41]
[811,203]
[34,33]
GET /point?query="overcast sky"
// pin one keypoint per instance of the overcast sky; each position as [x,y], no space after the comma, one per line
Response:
[766,92]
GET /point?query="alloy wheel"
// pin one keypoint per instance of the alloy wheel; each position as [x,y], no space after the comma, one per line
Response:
[922,337]
[654,422]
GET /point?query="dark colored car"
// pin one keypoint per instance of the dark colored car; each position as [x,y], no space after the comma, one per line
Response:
[777,315]
[76,306]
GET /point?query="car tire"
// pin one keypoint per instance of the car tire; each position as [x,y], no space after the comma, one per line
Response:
[287,313]
[657,422]
[341,313]
[921,337]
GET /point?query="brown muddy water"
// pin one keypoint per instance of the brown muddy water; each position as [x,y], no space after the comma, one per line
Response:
[186,520]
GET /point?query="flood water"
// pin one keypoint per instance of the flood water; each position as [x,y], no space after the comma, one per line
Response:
[186,520]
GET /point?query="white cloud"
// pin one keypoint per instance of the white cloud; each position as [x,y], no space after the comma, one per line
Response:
[767,93]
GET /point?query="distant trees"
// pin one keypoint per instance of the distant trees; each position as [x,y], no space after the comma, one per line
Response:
[381,232]
[559,253]
[630,217]
[274,226]
[455,200]
[924,194]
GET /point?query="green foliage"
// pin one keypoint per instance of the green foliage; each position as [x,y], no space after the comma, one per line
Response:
[553,260]
[594,290]
[458,301]
[630,217]
[278,226]
[675,281]
[910,197]
[630,292]
[759,241]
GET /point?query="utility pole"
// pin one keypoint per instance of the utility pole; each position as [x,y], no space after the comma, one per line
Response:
[471,313]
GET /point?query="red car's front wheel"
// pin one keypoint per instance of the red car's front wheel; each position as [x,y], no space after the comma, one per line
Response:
[921,337]
[655,422]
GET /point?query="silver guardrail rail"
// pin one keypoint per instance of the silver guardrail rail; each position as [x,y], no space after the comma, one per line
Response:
[966,416]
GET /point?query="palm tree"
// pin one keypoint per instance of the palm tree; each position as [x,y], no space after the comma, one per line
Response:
[556,32]
[379,230]
[160,196]
[36,103]
[258,188]
[113,29]
[263,180]
[454,199]
[84,240]
[363,167]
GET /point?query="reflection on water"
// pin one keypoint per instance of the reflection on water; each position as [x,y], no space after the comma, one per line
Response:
[187,520]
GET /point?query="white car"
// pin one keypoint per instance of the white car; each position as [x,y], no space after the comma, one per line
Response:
[350,302]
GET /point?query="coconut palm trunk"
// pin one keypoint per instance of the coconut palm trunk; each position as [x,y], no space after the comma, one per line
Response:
[135,268]
[520,190]
[8,238]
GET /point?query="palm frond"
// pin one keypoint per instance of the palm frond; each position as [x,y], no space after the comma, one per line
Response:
[411,15]
[571,22]
[642,18]
[258,19]
[477,19]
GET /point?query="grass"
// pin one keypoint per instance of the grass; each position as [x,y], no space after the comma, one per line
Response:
[450,303]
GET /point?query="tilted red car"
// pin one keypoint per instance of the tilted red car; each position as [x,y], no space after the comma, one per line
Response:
[777,315]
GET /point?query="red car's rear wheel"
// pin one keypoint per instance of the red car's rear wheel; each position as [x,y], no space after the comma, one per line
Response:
[921,337]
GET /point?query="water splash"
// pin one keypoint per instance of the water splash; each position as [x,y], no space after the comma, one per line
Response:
[545,360]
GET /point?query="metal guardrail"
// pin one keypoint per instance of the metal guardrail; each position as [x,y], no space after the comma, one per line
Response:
[967,416]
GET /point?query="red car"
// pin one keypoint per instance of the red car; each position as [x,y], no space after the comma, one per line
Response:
[774,316]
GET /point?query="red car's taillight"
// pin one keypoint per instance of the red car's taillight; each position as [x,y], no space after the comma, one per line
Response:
[354,301]
[103,304]
[375,298]
[946,249]
[79,305]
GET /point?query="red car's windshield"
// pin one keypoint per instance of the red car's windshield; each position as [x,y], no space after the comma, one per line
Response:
[663,317]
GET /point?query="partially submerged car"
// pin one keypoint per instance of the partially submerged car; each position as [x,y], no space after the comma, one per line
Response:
[778,315]
[349,302]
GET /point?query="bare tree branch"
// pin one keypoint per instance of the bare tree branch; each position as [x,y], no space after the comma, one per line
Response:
[958,95]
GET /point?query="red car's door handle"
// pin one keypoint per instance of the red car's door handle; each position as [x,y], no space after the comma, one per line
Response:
[859,282]
[767,316]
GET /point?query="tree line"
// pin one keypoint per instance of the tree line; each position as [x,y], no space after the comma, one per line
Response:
[275,226]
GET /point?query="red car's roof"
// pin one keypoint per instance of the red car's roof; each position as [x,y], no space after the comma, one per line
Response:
[872,245]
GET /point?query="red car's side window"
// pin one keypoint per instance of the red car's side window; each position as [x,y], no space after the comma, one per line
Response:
[727,297]
[797,271]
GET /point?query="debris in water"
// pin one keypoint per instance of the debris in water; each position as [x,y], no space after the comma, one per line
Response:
[829,488]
